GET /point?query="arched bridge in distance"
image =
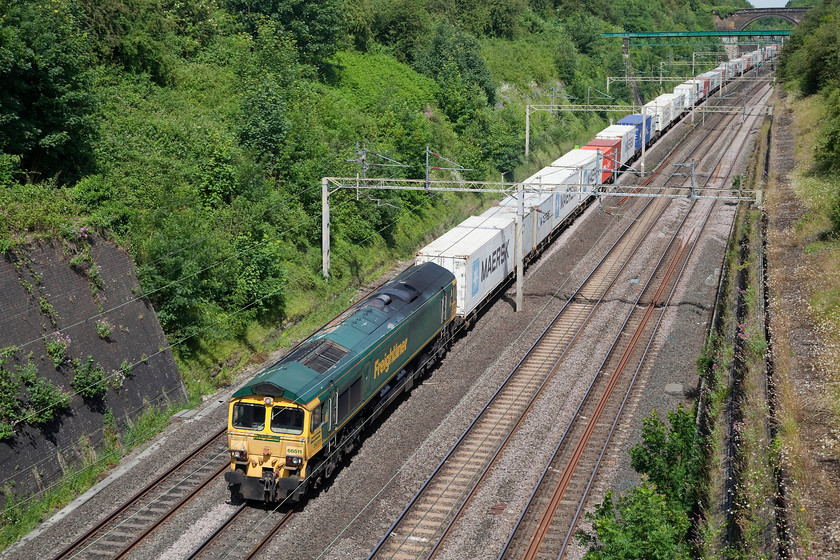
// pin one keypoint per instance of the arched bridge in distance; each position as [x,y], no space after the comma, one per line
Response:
[740,19]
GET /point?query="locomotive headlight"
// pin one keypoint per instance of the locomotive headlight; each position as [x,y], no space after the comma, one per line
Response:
[239,454]
[293,461]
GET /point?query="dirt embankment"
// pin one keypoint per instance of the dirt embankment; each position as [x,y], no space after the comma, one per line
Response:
[807,386]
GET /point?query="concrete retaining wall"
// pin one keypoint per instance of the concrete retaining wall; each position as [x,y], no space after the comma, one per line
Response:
[40,293]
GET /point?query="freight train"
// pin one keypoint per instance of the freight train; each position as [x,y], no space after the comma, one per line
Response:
[291,424]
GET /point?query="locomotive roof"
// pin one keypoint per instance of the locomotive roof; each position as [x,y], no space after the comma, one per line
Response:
[302,374]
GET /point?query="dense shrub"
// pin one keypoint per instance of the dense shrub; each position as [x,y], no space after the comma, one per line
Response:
[452,51]
[89,379]
[641,525]
[317,27]
[47,99]
[652,520]
[811,57]
[670,457]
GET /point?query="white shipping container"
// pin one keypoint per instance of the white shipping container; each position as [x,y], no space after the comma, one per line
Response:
[700,90]
[573,177]
[561,184]
[677,104]
[509,213]
[661,109]
[480,257]
[627,135]
[539,208]
[689,92]
[731,70]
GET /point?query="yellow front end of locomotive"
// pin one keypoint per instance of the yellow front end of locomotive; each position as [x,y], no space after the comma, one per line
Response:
[269,443]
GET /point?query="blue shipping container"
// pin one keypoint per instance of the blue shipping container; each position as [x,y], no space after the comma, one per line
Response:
[636,120]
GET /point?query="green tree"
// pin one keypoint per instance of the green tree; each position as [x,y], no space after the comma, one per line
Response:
[670,457]
[139,35]
[264,125]
[585,30]
[565,58]
[458,100]
[642,525]
[360,23]
[259,286]
[402,26]
[452,46]
[317,27]
[500,134]
[811,58]
[498,18]
[47,99]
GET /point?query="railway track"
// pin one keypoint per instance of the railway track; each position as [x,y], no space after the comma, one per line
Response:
[125,527]
[415,533]
[239,535]
[546,526]
[426,520]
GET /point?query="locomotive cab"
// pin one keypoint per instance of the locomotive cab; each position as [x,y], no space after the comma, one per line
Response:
[267,441]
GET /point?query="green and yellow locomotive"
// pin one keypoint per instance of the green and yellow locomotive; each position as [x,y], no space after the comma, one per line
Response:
[289,426]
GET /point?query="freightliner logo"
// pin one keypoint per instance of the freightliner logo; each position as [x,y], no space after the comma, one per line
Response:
[383,365]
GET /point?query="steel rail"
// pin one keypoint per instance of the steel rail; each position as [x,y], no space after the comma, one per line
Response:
[266,539]
[502,386]
[531,552]
[559,491]
[172,511]
[227,524]
[463,506]
[216,532]
[638,369]
[441,464]
[632,383]
[134,499]
[543,526]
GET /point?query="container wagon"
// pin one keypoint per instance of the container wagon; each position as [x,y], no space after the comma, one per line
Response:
[626,134]
[636,120]
[610,149]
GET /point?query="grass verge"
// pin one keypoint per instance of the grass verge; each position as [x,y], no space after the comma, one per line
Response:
[20,516]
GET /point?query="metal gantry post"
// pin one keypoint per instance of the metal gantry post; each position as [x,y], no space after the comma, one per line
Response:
[693,73]
[527,129]
[644,143]
[428,171]
[744,110]
[520,215]
[693,186]
[325,227]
